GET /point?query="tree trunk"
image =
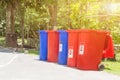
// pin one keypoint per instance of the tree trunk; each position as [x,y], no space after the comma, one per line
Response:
[68,15]
[22,29]
[8,19]
[12,20]
[22,15]
[11,37]
[53,15]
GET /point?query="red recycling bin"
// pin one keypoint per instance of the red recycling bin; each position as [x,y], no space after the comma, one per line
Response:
[53,46]
[90,44]
[72,48]
[108,51]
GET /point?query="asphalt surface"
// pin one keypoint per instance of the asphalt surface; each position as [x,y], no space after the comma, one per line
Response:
[20,66]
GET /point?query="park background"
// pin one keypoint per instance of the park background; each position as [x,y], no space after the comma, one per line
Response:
[20,21]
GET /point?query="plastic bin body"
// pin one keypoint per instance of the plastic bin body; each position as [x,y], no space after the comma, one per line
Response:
[108,51]
[63,47]
[91,44]
[43,37]
[53,45]
[72,48]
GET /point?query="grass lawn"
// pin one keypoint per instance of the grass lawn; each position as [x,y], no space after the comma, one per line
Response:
[36,52]
[2,41]
[113,66]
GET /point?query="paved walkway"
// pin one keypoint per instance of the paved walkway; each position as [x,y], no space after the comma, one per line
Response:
[14,66]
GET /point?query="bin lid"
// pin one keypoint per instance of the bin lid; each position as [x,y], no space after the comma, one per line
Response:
[87,30]
[42,31]
[103,31]
[62,31]
[72,31]
[94,31]
[51,31]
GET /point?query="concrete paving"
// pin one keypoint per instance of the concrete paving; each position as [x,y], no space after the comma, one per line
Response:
[14,66]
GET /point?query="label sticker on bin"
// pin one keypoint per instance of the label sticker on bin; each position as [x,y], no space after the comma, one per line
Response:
[60,47]
[70,53]
[81,49]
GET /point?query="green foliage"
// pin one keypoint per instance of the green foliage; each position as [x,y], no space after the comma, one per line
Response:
[2,20]
[71,14]
[2,41]
[112,67]
[35,21]
[116,38]
[35,52]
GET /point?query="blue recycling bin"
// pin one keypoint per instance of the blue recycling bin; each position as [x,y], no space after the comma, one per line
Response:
[63,47]
[43,37]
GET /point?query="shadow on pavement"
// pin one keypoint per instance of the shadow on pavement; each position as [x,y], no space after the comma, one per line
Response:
[7,50]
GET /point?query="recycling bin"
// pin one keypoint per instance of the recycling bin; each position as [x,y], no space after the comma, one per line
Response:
[72,48]
[63,47]
[43,37]
[90,48]
[108,51]
[53,46]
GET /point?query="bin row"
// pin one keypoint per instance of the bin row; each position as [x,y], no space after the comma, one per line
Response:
[75,48]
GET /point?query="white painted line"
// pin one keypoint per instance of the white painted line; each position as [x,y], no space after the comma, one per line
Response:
[10,61]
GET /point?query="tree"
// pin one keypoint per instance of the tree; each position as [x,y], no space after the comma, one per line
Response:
[52,8]
[2,20]
[53,14]
[21,10]
[11,39]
